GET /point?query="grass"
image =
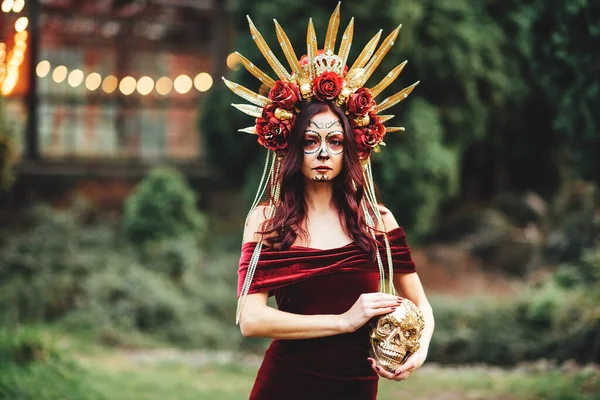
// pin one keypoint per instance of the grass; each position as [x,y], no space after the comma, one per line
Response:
[102,373]
[120,378]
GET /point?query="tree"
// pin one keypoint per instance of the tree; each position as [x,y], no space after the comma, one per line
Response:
[508,96]
[7,150]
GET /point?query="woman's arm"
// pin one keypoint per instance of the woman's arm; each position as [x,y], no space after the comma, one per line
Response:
[259,319]
[409,286]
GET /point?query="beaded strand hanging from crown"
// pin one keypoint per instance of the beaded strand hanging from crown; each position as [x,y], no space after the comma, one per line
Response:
[325,76]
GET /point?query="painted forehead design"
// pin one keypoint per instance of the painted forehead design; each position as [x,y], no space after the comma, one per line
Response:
[325,125]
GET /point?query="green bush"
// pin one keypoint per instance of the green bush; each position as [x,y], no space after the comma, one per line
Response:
[548,322]
[162,206]
[43,267]
[67,267]
[585,273]
[32,369]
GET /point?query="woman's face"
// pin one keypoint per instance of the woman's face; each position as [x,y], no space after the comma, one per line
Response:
[323,147]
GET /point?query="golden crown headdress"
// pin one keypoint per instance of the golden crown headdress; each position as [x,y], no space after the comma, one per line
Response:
[324,75]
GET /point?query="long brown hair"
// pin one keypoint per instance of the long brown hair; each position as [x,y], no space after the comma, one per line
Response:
[282,230]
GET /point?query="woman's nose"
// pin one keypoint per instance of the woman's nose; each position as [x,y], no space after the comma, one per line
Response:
[323,153]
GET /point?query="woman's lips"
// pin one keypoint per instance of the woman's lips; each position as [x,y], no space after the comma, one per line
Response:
[322,169]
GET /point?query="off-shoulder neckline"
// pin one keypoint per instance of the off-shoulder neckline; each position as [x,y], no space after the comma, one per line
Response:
[389,233]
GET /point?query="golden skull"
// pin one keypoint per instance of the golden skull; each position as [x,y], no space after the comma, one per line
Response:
[395,336]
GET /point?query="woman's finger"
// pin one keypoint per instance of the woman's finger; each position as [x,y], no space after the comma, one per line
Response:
[380,370]
[389,297]
[408,366]
[402,376]
[381,311]
[386,303]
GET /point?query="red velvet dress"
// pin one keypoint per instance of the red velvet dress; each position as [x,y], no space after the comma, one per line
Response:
[311,281]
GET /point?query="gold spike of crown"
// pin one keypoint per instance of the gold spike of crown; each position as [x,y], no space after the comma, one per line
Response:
[323,75]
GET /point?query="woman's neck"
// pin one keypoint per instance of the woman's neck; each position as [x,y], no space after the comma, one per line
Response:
[319,197]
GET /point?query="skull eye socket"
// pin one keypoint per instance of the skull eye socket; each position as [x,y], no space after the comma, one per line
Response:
[386,327]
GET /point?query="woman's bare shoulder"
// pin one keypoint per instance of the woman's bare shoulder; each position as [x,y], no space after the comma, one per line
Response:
[388,218]
[254,223]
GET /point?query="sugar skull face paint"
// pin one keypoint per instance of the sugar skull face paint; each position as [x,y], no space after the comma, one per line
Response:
[323,147]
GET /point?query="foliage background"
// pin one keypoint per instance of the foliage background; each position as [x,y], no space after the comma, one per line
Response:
[499,160]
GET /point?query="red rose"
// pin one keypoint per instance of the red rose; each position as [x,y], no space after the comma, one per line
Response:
[284,94]
[360,102]
[374,132]
[369,136]
[361,148]
[272,133]
[327,86]
[269,111]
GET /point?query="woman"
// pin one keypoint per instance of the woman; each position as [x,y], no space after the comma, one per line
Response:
[317,245]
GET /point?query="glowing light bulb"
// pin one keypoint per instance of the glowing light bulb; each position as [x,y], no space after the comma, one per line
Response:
[182,84]
[43,68]
[59,74]
[203,81]
[164,86]
[145,85]
[93,81]
[7,5]
[127,85]
[21,37]
[18,6]
[21,24]
[75,78]
[110,84]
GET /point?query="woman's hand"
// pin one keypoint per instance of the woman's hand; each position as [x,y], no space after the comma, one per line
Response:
[413,363]
[366,307]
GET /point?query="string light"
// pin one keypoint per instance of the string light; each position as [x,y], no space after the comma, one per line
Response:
[164,86]
[9,72]
[9,83]
[75,78]
[21,37]
[59,74]
[127,85]
[7,5]
[43,68]
[21,24]
[18,6]
[203,81]
[93,81]
[182,84]
[110,84]
[145,85]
